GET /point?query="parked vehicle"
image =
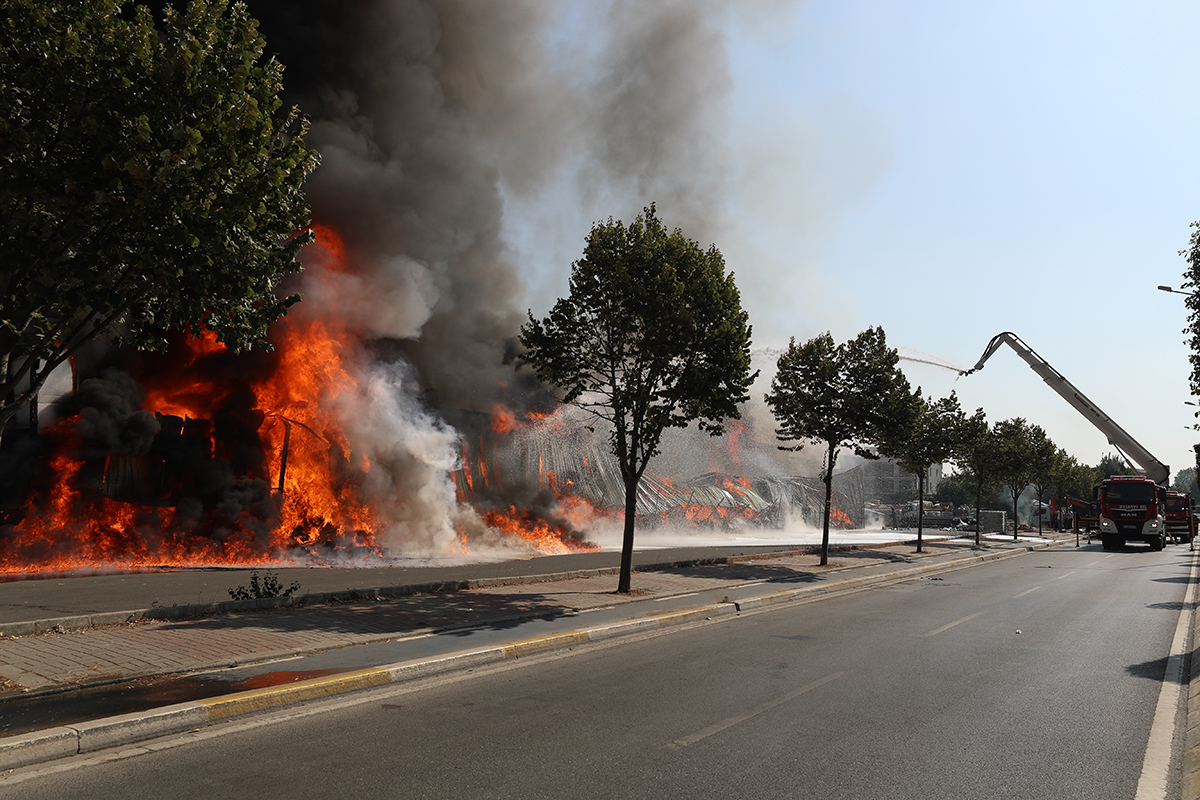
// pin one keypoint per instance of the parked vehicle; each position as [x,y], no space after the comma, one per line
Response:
[1178,518]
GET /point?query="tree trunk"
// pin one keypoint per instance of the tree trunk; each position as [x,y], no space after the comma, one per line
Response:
[1015,496]
[978,503]
[828,505]
[920,507]
[626,577]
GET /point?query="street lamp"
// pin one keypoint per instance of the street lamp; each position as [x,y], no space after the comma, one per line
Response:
[1173,291]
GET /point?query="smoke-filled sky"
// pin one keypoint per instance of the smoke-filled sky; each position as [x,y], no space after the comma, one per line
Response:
[944,170]
[947,171]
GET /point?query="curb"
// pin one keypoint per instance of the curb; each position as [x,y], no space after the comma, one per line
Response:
[54,743]
[1189,783]
[85,621]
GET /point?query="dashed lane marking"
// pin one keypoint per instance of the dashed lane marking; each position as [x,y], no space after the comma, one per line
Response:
[950,625]
[729,722]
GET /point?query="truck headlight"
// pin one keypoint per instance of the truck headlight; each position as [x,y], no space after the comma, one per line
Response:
[1106,523]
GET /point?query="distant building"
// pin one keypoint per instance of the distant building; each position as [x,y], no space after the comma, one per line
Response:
[885,481]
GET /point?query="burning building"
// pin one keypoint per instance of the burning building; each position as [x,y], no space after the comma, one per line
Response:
[370,431]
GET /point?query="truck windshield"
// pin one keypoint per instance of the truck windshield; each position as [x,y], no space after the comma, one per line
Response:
[1129,493]
[1177,503]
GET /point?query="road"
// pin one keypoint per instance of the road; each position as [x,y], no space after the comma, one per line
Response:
[1033,677]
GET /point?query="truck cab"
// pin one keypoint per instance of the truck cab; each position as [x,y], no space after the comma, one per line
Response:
[1131,510]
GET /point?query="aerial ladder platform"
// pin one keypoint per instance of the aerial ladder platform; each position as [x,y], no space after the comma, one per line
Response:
[1126,445]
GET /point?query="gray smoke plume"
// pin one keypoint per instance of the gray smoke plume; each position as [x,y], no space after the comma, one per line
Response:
[428,115]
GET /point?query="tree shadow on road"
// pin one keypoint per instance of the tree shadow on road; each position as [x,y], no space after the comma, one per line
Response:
[1156,670]
[776,573]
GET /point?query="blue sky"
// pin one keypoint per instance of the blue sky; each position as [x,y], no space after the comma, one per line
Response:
[952,170]
[981,167]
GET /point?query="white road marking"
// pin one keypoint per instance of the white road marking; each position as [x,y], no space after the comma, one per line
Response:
[729,722]
[1027,591]
[1152,785]
[675,596]
[952,624]
[1060,577]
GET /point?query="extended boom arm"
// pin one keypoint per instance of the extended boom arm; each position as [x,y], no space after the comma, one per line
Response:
[1117,437]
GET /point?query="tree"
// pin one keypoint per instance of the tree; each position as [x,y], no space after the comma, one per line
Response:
[652,336]
[1015,443]
[1191,286]
[1066,479]
[1111,465]
[846,395]
[974,457]
[148,181]
[1047,461]
[1185,482]
[932,437]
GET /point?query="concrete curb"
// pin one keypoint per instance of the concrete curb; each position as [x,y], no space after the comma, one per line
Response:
[85,621]
[53,743]
[1189,783]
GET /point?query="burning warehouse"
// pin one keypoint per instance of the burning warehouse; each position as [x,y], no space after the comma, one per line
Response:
[367,432]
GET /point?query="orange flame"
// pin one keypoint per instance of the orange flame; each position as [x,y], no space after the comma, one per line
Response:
[545,537]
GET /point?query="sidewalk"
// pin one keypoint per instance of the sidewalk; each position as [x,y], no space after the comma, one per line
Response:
[506,609]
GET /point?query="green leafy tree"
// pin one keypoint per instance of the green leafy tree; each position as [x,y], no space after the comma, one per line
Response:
[1191,285]
[1065,480]
[955,490]
[932,438]
[974,457]
[1185,482]
[1047,460]
[1111,465]
[149,181]
[841,395]
[652,336]
[1015,443]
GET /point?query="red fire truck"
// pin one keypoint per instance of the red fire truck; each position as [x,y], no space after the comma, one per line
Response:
[1177,516]
[1131,507]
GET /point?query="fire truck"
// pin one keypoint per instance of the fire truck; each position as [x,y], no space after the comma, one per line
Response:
[1130,506]
[1177,516]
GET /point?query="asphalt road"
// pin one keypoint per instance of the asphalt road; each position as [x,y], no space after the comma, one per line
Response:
[1033,677]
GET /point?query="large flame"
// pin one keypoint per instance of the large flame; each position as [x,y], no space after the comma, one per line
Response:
[309,469]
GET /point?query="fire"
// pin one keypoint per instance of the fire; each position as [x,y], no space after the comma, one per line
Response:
[503,419]
[542,535]
[246,459]
[306,441]
[273,442]
[67,529]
